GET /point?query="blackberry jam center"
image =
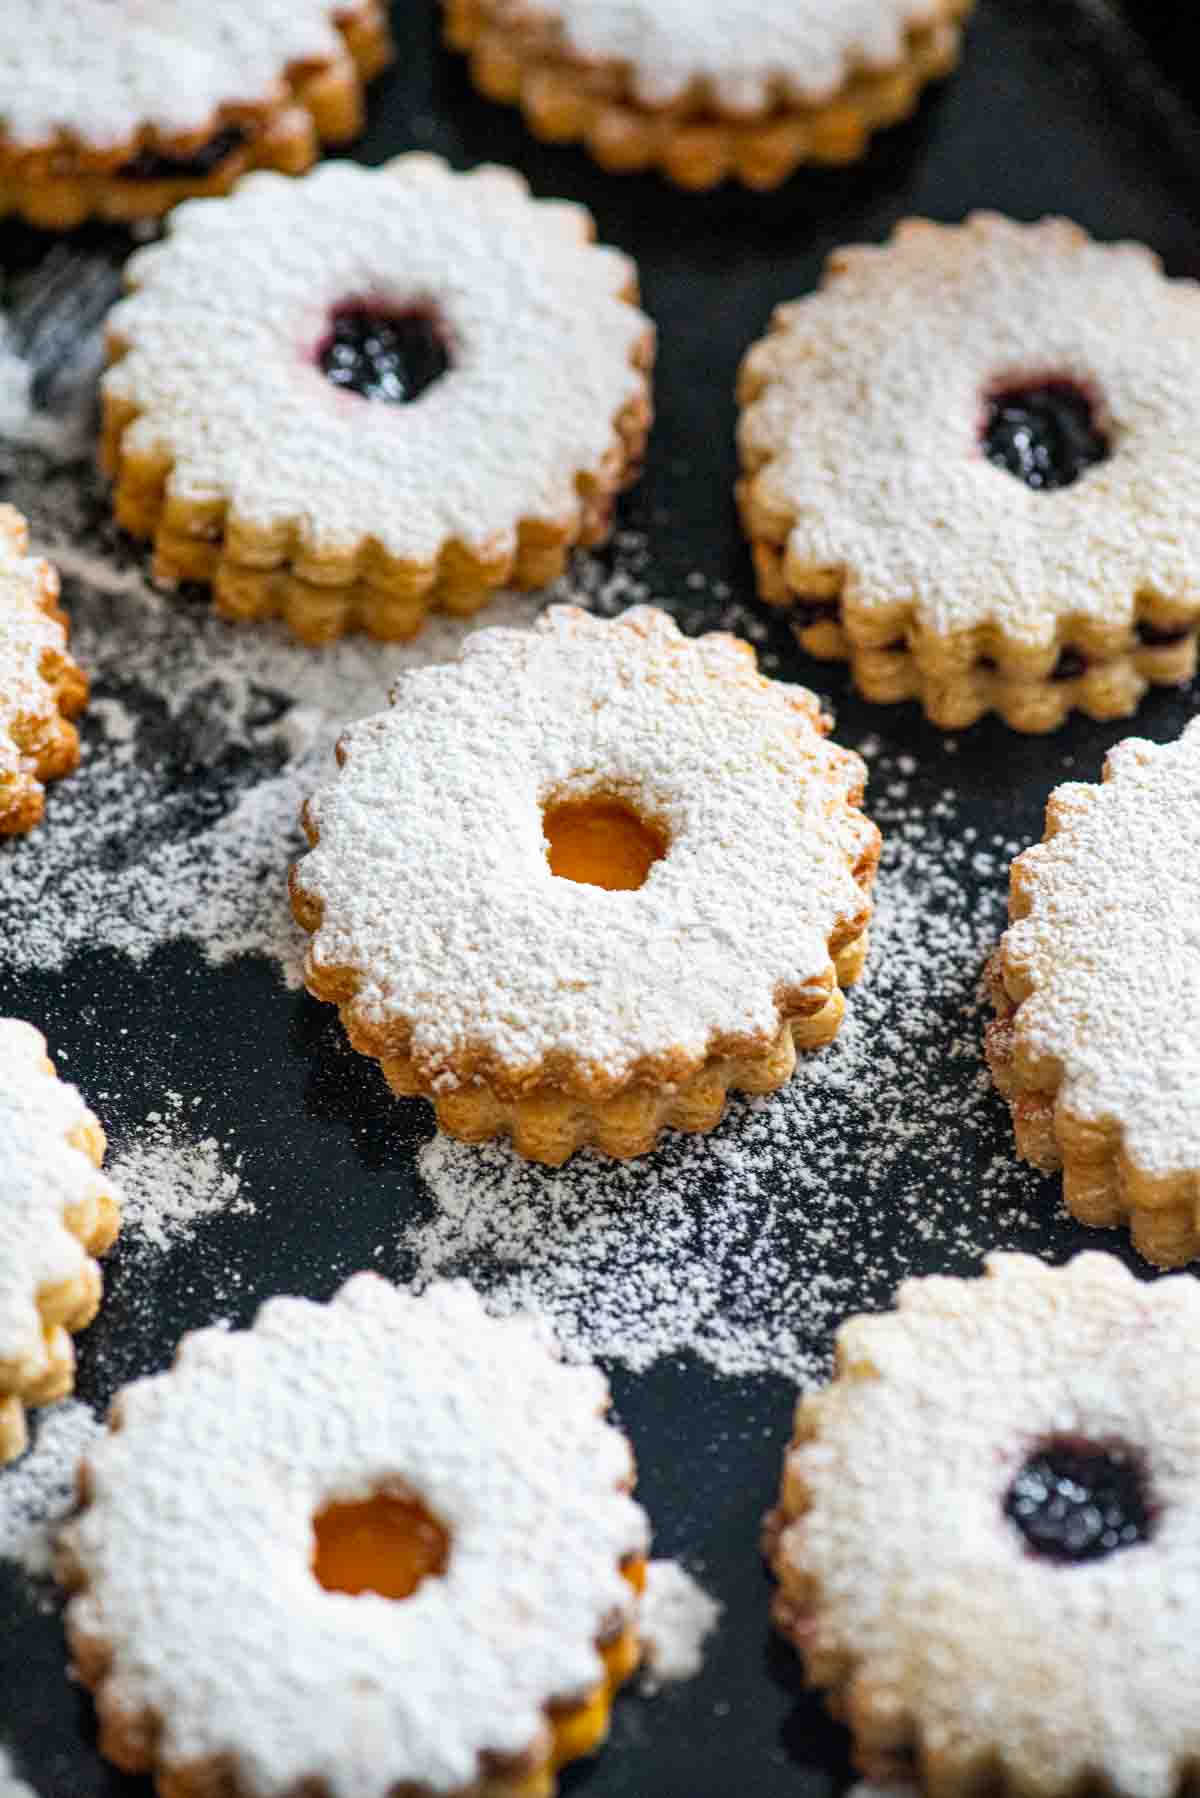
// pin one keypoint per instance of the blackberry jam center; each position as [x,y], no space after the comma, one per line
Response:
[1076,1500]
[160,165]
[1045,434]
[382,355]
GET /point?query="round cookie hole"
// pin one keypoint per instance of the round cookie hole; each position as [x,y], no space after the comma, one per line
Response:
[1076,1500]
[601,842]
[388,354]
[1044,433]
[388,1545]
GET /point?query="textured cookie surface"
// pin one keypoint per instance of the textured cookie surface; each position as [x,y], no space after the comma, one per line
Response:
[430,883]
[220,372]
[39,683]
[98,70]
[55,1207]
[912,1593]
[862,439]
[194,1549]
[1095,1045]
[749,53]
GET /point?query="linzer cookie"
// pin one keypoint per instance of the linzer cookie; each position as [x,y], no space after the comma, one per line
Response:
[120,108]
[985,1541]
[968,469]
[579,884]
[381,1545]
[355,398]
[1096,1045]
[57,1211]
[705,89]
[41,688]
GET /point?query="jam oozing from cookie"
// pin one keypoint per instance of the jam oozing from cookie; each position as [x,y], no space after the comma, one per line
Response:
[157,165]
[807,613]
[391,356]
[1046,435]
[601,843]
[1069,666]
[1155,636]
[1076,1500]
[387,1545]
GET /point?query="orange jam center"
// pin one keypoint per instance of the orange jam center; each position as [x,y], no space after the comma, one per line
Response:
[385,1545]
[601,843]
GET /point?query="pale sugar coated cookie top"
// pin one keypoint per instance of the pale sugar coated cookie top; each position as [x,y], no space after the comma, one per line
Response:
[432,875]
[196,1545]
[43,1176]
[959,1637]
[1105,961]
[98,71]
[863,430]
[220,348]
[746,52]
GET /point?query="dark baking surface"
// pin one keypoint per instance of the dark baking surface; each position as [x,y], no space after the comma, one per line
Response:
[1051,112]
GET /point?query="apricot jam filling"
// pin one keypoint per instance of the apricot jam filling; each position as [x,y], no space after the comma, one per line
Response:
[582,1728]
[387,1545]
[601,842]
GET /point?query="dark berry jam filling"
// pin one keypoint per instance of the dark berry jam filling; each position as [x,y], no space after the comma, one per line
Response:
[1076,1500]
[1046,435]
[1069,666]
[155,165]
[1154,638]
[392,356]
[808,612]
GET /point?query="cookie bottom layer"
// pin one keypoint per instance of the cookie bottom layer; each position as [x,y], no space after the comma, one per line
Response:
[548,1125]
[256,577]
[57,187]
[1101,1186]
[572,1730]
[566,100]
[63,1310]
[957,681]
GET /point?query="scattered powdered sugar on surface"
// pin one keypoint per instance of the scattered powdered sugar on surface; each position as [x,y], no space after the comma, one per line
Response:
[748,1245]
[38,1491]
[10,1785]
[202,741]
[169,1181]
[675,1619]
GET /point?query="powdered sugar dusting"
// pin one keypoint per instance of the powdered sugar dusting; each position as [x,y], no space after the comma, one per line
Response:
[745,50]
[170,1182]
[436,815]
[10,1785]
[250,1435]
[44,1176]
[37,1492]
[844,407]
[99,69]
[1104,964]
[958,1634]
[675,1619]
[543,354]
[745,1246]
[28,637]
